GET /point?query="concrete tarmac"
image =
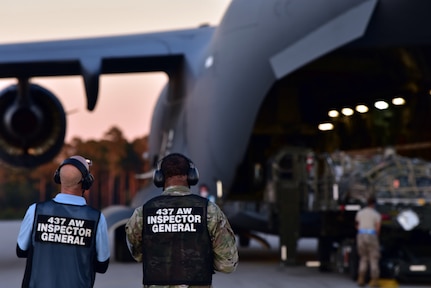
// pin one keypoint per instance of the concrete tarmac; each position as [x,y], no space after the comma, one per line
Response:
[258,267]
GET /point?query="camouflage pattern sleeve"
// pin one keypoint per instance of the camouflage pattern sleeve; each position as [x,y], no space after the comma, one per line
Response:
[223,240]
[134,234]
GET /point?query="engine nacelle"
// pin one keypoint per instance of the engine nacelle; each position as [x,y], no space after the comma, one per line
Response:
[32,125]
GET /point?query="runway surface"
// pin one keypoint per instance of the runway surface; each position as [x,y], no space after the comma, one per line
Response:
[258,267]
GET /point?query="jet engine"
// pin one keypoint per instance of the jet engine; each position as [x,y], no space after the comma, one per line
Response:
[32,125]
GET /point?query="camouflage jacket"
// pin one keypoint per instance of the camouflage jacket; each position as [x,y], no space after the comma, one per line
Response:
[222,236]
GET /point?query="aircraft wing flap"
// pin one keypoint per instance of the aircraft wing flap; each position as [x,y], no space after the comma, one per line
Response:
[125,64]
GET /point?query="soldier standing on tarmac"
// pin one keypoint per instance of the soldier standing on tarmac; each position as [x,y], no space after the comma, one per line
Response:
[368,223]
[180,237]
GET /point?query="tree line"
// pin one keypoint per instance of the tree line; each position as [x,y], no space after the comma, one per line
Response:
[115,163]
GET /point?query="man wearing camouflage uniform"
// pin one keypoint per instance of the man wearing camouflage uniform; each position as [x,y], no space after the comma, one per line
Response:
[368,223]
[181,238]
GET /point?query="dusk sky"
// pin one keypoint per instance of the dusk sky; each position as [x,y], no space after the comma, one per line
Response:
[126,100]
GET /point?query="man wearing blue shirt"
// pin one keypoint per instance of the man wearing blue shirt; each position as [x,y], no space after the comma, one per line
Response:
[64,240]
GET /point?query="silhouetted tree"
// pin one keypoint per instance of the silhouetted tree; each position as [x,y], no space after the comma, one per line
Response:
[115,165]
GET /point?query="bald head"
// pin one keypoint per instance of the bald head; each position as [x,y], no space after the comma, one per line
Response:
[70,176]
[72,172]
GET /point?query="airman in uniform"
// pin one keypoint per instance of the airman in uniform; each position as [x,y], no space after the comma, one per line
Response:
[368,223]
[181,238]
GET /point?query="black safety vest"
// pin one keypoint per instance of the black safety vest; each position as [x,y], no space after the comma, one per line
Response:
[63,250]
[176,246]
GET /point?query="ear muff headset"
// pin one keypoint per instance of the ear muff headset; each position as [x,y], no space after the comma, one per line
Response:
[192,174]
[87,179]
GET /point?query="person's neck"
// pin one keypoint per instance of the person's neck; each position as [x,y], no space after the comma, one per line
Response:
[74,192]
[177,181]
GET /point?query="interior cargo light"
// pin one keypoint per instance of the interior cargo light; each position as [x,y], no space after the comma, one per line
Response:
[398,101]
[381,105]
[333,113]
[347,111]
[361,108]
[326,126]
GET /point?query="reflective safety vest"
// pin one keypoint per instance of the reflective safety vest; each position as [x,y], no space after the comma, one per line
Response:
[176,246]
[63,250]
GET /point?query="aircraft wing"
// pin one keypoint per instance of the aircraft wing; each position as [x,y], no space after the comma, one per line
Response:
[90,57]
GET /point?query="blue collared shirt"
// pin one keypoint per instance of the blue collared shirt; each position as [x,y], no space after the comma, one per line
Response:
[102,243]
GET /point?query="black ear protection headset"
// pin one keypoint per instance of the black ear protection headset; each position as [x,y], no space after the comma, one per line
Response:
[192,174]
[87,179]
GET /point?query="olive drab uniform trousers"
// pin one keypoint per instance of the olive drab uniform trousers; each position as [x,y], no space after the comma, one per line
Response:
[369,252]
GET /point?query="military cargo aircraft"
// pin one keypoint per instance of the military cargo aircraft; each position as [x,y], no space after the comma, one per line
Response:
[266,77]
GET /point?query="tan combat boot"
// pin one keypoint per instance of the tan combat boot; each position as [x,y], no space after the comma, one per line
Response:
[374,283]
[361,280]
